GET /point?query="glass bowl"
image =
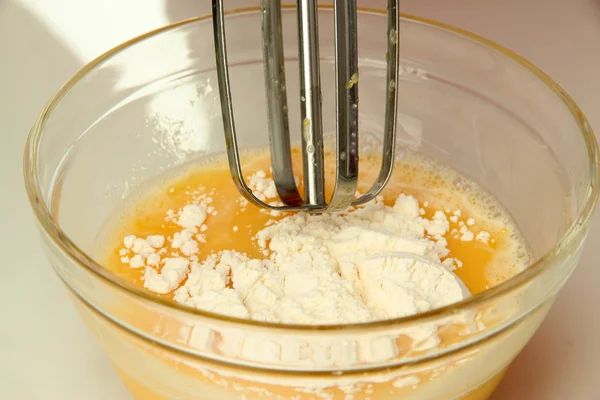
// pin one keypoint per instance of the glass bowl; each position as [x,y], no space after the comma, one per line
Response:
[151,104]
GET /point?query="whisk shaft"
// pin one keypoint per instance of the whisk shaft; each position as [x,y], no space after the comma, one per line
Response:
[310,104]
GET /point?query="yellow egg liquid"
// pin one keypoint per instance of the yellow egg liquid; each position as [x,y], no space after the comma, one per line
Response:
[484,264]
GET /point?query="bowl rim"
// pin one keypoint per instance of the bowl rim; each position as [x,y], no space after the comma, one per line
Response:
[571,237]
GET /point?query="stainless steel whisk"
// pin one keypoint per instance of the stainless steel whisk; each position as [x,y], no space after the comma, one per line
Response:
[346,65]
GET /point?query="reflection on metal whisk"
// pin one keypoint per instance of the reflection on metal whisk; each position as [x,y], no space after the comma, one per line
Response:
[346,65]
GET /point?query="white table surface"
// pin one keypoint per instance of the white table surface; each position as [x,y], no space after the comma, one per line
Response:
[45,351]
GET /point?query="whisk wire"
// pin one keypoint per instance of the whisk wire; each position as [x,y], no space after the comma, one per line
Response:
[279,136]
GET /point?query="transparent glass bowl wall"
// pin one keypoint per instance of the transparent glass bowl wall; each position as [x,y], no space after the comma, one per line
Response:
[152,104]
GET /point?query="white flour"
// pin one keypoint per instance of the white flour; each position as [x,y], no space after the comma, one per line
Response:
[370,263]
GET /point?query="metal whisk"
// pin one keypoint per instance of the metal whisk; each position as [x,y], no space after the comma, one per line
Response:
[346,65]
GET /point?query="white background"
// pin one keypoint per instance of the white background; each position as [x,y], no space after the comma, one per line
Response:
[46,353]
